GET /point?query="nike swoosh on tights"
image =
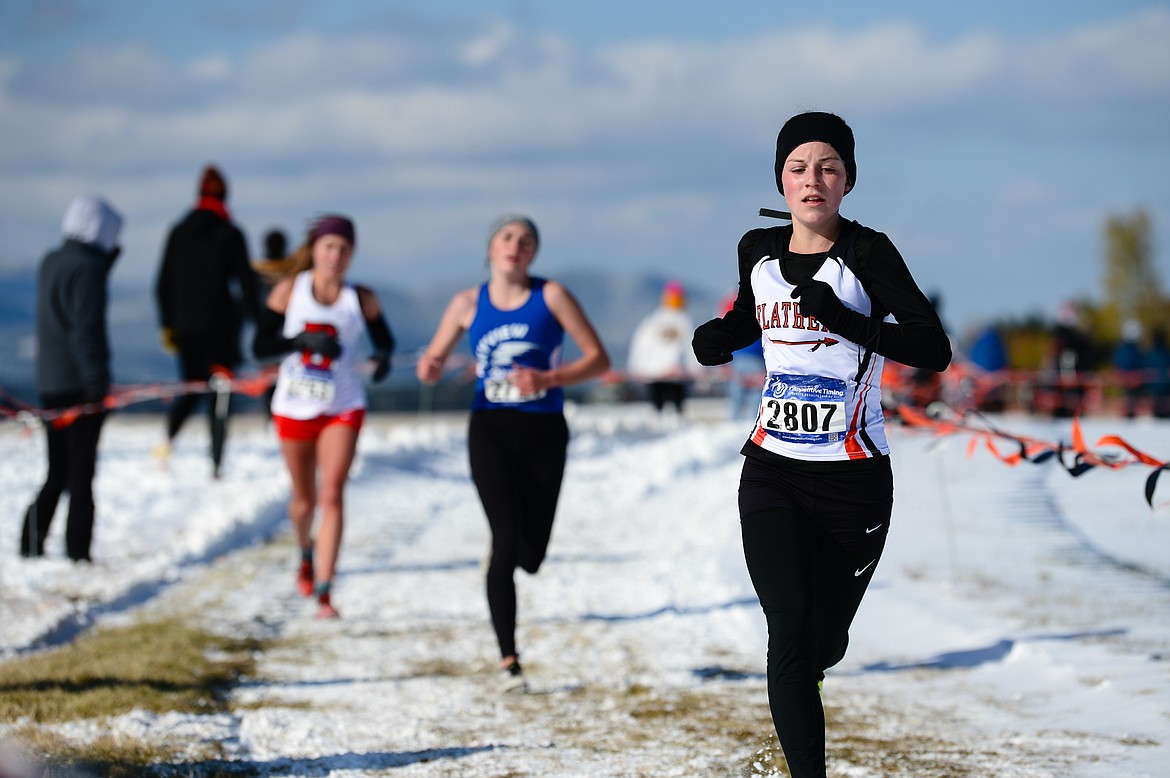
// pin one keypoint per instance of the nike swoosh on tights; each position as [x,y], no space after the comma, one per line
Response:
[873,529]
[861,570]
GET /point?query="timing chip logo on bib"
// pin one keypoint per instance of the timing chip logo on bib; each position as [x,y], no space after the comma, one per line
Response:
[777,386]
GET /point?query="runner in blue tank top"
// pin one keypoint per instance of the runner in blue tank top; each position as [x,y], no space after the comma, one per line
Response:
[517,437]
[528,336]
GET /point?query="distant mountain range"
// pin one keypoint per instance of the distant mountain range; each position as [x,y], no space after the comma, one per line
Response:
[615,304]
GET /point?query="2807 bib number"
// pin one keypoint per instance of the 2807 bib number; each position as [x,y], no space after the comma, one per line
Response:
[803,408]
[793,416]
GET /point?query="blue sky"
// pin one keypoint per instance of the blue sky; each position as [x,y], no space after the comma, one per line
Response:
[992,141]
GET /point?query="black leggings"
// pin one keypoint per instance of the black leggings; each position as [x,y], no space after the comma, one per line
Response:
[517,463]
[663,393]
[72,452]
[199,356]
[811,541]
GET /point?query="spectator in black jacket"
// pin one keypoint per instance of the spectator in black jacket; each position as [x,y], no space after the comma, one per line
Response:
[73,370]
[206,287]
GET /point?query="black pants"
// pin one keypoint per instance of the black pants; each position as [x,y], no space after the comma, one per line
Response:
[811,541]
[517,463]
[199,357]
[664,392]
[72,453]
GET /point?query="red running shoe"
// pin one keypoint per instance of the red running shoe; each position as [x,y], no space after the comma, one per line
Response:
[305,578]
[325,609]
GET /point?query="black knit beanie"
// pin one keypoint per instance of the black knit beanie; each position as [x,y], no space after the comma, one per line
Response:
[816,126]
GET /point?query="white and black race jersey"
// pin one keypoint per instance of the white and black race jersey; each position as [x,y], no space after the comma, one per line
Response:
[821,398]
[311,385]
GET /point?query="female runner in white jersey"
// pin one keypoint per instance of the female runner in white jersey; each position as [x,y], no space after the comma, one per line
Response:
[317,319]
[517,438]
[816,492]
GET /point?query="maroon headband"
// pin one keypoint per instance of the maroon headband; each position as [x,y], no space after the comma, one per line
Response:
[333,225]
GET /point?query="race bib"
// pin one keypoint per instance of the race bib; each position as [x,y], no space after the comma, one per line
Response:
[803,408]
[312,386]
[501,390]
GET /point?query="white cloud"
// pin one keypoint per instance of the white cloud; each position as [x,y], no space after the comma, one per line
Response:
[1018,193]
[126,76]
[215,69]
[489,46]
[309,93]
[304,65]
[634,138]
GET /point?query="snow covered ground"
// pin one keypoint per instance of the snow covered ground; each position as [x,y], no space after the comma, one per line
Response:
[1018,625]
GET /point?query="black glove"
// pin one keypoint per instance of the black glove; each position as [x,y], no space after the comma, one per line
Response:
[318,342]
[381,366]
[819,300]
[712,343]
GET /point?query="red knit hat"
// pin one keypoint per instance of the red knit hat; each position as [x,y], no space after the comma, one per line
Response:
[212,183]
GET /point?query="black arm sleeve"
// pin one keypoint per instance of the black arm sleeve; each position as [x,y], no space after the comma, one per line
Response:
[917,337]
[269,340]
[383,341]
[380,335]
[741,320]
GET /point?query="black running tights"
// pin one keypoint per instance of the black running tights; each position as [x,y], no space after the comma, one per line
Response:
[810,563]
[517,463]
[72,452]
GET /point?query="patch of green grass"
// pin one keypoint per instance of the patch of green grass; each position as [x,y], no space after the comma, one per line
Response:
[854,742]
[156,666]
[707,722]
[109,756]
[856,738]
[437,668]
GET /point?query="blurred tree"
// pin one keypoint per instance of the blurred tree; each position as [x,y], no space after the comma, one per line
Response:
[1132,286]
[1026,344]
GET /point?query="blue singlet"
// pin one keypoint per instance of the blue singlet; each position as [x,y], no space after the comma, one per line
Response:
[529,336]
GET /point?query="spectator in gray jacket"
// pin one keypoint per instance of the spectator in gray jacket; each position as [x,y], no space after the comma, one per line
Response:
[73,370]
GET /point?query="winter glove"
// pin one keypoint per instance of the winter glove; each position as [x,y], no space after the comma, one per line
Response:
[818,299]
[166,339]
[318,342]
[712,343]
